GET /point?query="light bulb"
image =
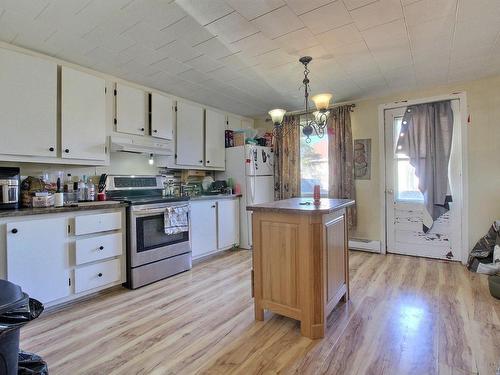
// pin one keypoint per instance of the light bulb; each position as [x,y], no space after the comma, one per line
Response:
[151,161]
[322,101]
[277,115]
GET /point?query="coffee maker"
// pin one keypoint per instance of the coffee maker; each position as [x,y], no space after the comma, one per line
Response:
[9,187]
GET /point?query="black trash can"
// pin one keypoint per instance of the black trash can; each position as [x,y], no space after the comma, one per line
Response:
[16,309]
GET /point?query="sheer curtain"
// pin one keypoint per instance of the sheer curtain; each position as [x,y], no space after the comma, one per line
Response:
[340,159]
[287,160]
[425,137]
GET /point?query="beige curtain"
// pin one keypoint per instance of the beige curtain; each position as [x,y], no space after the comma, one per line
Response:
[287,161]
[340,158]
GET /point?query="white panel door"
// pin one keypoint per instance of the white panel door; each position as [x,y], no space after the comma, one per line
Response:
[203,227]
[405,204]
[83,115]
[161,116]
[28,105]
[37,258]
[228,223]
[131,110]
[189,134]
[215,152]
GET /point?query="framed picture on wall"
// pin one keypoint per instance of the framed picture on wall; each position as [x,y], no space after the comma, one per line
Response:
[362,159]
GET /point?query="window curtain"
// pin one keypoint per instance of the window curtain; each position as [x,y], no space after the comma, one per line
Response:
[340,159]
[287,160]
[425,137]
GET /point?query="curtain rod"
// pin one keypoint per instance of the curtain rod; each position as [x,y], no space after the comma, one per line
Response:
[302,112]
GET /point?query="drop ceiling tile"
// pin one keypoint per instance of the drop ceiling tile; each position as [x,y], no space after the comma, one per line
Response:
[394,58]
[147,56]
[479,10]
[237,61]
[224,74]
[158,14]
[205,11]
[64,14]
[278,22]
[215,49]
[180,51]
[135,66]
[353,4]
[377,13]
[473,33]
[111,41]
[326,17]
[389,34]
[426,10]
[256,44]
[273,58]
[316,52]
[232,27]
[255,8]
[204,63]
[98,12]
[144,34]
[192,75]
[171,66]
[297,40]
[301,6]
[432,35]
[340,36]
[188,30]
[28,8]
[119,22]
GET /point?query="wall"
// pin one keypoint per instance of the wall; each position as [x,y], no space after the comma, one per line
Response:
[483,157]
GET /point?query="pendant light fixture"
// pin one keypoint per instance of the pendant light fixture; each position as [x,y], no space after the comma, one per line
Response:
[315,122]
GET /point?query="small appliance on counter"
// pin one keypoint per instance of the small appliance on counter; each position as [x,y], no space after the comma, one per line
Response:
[9,188]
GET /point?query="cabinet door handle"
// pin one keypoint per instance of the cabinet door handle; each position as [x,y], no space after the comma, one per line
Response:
[66,150]
[14,230]
[101,247]
[155,131]
[201,161]
[141,129]
[208,161]
[51,149]
[99,274]
[214,206]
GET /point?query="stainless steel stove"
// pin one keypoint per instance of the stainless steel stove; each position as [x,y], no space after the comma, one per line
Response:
[152,254]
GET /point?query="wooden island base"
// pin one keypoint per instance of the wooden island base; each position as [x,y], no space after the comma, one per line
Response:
[300,260]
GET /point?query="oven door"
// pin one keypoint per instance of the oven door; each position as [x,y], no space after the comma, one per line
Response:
[148,241]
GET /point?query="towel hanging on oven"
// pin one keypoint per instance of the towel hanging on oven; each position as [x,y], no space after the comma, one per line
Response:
[176,219]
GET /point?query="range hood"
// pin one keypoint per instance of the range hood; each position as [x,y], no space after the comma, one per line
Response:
[137,145]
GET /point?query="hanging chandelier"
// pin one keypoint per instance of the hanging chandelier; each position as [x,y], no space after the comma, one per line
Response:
[315,121]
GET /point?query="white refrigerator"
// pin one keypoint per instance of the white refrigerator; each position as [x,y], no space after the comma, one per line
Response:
[252,167]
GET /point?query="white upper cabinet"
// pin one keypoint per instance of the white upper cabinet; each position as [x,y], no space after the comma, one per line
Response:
[215,125]
[83,115]
[28,105]
[131,110]
[233,122]
[189,134]
[161,116]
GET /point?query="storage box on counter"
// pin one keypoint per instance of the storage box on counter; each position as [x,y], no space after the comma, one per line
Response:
[239,138]
[43,200]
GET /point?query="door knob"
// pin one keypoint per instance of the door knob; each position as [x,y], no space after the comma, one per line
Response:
[389,191]
[51,149]
[101,247]
[99,274]
[66,150]
[14,230]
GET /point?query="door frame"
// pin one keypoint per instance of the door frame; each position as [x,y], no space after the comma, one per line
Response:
[462,97]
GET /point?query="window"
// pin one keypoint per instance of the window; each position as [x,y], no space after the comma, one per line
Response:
[313,164]
[406,180]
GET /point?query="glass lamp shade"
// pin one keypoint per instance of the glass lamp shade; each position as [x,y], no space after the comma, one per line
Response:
[277,115]
[322,101]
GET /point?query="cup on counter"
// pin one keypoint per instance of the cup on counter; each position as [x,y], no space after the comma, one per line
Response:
[101,196]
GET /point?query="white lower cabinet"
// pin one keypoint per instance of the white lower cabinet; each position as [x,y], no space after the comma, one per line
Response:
[38,259]
[62,256]
[203,227]
[228,223]
[214,226]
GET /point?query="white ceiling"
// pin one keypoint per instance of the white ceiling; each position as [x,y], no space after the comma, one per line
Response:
[242,55]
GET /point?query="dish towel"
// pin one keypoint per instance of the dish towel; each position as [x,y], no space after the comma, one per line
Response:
[176,219]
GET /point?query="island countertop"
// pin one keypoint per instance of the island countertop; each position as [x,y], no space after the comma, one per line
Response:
[302,206]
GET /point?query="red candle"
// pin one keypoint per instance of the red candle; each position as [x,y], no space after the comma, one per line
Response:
[317,195]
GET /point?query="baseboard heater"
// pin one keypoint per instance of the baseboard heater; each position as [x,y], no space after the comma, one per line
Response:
[365,245]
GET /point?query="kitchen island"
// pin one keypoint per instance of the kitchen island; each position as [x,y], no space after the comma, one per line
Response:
[300,260]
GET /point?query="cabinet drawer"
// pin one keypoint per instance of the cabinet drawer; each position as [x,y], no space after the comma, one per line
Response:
[96,275]
[85,224]
[98,248]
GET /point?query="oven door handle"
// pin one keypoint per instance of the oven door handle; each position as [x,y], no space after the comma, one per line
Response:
[149,211]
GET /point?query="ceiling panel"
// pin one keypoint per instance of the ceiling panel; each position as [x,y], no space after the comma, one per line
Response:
[242,56]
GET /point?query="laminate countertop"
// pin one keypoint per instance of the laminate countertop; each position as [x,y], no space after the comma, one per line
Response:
[302,206]
[216,196]
[85,206]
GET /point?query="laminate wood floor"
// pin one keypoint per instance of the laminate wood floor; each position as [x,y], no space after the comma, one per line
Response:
[406,316]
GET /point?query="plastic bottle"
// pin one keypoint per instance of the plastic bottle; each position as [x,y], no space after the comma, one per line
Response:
[82,187]
[91,196]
